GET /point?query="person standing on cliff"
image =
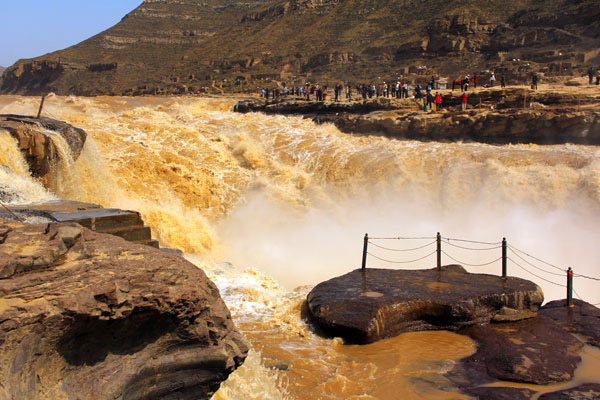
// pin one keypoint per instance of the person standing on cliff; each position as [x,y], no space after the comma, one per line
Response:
[429,101]
[502,82]
[463,103]
[492,79]
[591,75]
[418,94]
[438,102]
[475,78]
[534,82]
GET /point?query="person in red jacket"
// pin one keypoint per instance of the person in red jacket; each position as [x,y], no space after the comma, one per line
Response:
[463,103]
[438,102]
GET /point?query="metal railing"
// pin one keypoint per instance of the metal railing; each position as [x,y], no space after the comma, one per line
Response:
[478,246]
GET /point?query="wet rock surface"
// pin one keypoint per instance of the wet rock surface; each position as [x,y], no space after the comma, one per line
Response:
[535,350]
[364,306]
[582,319]
[89,315]
[590,391]
[310,108]
[541,350]
[499,393]
[35,142]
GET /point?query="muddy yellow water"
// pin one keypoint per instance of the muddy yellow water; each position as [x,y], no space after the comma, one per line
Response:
[304,365]
[271,205]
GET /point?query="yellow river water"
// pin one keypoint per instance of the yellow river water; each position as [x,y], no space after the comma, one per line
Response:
[271,205]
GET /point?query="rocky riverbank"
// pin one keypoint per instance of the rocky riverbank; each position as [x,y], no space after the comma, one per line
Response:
[517,340]
[90,315]
[34,137]
[497,116]
[85,314]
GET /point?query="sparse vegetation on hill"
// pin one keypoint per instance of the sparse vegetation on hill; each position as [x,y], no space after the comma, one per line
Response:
[167,46]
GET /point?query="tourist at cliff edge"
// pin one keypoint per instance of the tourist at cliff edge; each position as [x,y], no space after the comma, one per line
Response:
[534,81]
[463,103]
[438,102]
[429,101]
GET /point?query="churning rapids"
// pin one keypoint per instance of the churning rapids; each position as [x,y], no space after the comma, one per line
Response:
[269,206]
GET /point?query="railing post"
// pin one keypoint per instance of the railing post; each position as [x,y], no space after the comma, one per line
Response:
[39,114]
[439,251]
[570,287]
[504,257]
[364,258]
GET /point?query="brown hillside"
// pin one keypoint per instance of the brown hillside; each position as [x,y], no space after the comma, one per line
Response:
[169,46]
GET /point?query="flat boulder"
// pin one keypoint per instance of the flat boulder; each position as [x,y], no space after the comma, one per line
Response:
[85,315]
[588,391]
[364,306]
[582,319]
[535,350]
[543,350]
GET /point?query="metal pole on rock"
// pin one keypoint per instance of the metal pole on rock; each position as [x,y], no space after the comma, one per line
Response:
[570,287]
[39,114]
[504,257]
[439,251]
[364,257]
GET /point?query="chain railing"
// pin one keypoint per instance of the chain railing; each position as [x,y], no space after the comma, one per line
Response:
[517,257]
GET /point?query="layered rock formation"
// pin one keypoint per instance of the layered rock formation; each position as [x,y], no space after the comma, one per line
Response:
[364,306]
[170,46]
[88,315]
[493,116]
[34,136]
[501,127]
[122,223]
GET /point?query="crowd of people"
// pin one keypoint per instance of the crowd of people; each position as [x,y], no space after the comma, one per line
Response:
[401,89]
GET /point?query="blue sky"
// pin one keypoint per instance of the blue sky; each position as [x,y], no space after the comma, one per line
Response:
[31,28]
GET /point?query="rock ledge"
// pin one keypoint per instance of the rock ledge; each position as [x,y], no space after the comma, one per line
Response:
[365,306]
[90,315]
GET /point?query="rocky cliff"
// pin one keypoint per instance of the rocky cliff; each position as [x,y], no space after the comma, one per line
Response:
[493,116]
[169,46]
[89,315]
[35,139]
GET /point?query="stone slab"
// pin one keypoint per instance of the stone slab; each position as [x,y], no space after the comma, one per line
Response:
[364,306]
[123,223]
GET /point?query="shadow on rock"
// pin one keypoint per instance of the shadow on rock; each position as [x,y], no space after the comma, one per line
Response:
[89,340]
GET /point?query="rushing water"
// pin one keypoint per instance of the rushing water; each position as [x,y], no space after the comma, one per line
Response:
[287,203]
